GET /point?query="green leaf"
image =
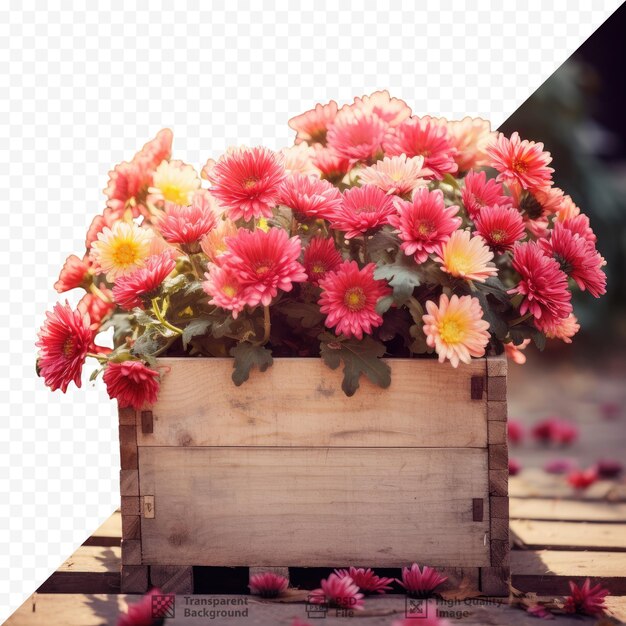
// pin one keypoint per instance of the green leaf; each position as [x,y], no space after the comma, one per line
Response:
[494,286]
[497,326]
[195,327]
[142,318]
[403,275]
[358,357]
[306,313]
[172,285]
[419,345]
[149,343]
[248,356]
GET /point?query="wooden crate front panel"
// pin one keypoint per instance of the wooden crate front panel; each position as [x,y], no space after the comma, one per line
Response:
[337,506]
[299,402]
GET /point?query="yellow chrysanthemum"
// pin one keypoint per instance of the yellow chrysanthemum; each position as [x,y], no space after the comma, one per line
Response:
[456,328]
[467,257]
[175,182]
[121,249]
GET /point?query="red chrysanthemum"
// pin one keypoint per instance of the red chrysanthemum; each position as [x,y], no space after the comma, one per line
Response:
[264,262]
[75,273]
[478,192]
[338,592]
[579,225]
[543,285]
[582,479]
[131,290]
[333,166]
[349,299]
[420,583]
[500,226]
[515,467]
[309,197]
[64,340]
[320,257]
[246,182]
[515,432]
[366,580]
[186,225]
[425,223]
[145,612]
[520,162]
[556,431]
[578,258]
[105,220]
[357,135]
[363,209]
[312,126]
[268,585]
[586,599]
[96,307]
[424,137]
[131,383]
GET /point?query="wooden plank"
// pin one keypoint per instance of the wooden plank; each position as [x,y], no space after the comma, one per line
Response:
[131,552]
[427,405]
[497,365]
[127,416]
[131,527]
[567,510]
[172,579]
[129,505]
[496,388]
[108,534]
[129,482]
[496,411]
[134,578]
[498,456]
[498,482]
[128,447]
[265,506]
[494,581]
[496,432]
[535,483]
[569,535]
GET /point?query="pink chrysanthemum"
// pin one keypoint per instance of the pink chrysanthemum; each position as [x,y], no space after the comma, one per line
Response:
[424,223]
[246,182]
[515,467]
[467,257]
[64,340]
[333,166]
[131,383]
[520,162]
[298,159]
[357,135]
[268,585]
[96,308]
[392,111]
[133,289]
[583,479]
[543,285]
[213,244]
[564,329]
[309,198]
[312,126]
[105,220]
[456,329]
[362,210]
[515,432]
[396,175]
[579,225]
[469,137]
[514,352]
[578,258]
[128,185]
[556,431]
[478,192]
[74,273]
[424,137]
[320,257]
[225,289]
[366,580]
[145,612]
[264,262]
[500,226]
[186,225]
[586,599]
[420,583]
[539,611]
[349,299]
[559,466]
[338,592]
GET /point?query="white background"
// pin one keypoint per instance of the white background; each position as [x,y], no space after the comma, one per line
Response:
[82,90]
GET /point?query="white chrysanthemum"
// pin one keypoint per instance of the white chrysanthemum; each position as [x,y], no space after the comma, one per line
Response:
[175,182]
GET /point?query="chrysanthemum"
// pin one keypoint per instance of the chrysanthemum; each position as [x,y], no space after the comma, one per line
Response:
[555,430]
[158,149]
[106,219]
[522,162]
[478,191]
[564,329]
[470,137]
[97,308]
[515,352]
[332,166]
[312,126]
[349,298]
[175,182]
[264,262]
[268,585]
[225,289]
[397,175]
[132,290]
[357,135]
[466,257]
[131,383]
[74,273]
[578,258]
[309,198]
[515,467]
[186,225]
[298,159]
[338,592]
[567,209]
[320,257]
[559,466]
[366,580]
[500,227]
[246,182]
[213,244]
[392,111]
[64,340]
[363,209]
[543,285]
[420,583]
[146,612]
[424,137]
[128,181]
[424,223]
[579,225]
[582,479]
[515,432]
[121,249]
[456,328]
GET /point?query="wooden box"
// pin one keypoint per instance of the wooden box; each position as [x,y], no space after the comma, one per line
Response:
[286,471]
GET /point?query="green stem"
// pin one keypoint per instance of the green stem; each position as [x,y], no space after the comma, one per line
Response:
[101,358]
[98,292]
[164,322]
[195,266]
[267,326]
[365,251]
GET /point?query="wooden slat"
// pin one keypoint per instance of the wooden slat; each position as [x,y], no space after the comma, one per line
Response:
[172,579]
[569,535]
[567,510]
[299,402]
[108,534]
[237,506]
[535,483]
